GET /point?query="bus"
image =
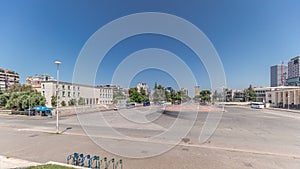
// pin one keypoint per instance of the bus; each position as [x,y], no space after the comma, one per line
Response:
[257,105]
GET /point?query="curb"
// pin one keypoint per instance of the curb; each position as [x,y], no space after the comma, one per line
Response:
[287,110]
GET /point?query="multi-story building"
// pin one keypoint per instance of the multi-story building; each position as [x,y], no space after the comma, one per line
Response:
[89,95]
[278,75]
[8,78]
[197,90]
[261,93]
[143,86]
[294,72]
[36,80]
[116,89]
[234,95]
[239,95]
[185,91]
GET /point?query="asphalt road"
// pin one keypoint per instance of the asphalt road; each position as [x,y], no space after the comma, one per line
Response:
[245,138]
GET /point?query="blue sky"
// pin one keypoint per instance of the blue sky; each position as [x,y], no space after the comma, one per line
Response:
[249,36]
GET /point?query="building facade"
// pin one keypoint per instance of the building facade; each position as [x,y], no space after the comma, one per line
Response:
[239,95]
[234,95]
[284,97]
[89,95]
[143,86]
[294,72]
[278,75]
[36,81]
[8,78]
[196,90]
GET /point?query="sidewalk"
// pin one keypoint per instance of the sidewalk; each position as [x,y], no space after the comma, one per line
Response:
[10,163]
[14,163]
[287,110]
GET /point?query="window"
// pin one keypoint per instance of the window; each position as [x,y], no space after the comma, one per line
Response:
[78,88]
[63,94]
[74,94]
[43,94]
[78,94]
[43,86]
[69,87]
[69,94]
[63,87]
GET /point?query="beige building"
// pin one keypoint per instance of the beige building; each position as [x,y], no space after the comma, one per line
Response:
[89,95]
[196,90]
[36,81]
[8,78]
[284,97]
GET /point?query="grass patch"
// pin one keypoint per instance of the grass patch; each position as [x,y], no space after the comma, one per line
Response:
[49,166]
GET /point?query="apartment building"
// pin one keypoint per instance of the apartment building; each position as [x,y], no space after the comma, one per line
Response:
[36,81]
[8,78]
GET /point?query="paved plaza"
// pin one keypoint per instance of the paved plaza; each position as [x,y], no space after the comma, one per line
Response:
[245,138]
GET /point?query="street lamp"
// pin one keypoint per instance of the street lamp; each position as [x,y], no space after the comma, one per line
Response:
[57,89]
[288,99]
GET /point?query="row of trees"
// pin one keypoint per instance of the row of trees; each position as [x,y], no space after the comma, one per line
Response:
[72,102]
[138,96]
[207,96]
[20,97]
[162,94]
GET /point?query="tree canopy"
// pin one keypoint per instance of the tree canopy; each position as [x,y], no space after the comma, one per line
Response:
[21,97]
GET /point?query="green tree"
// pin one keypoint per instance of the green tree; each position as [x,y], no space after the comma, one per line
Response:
[72,102]
[159,95]
[205,96]
[81,101]
[3,99]
[21,100]
[20,88]
[53,101]
[249,94]
[136,96]
[63,103]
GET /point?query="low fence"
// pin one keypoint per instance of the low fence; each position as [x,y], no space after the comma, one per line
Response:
[94,162]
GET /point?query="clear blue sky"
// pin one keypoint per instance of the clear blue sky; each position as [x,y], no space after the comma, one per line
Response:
[249,36]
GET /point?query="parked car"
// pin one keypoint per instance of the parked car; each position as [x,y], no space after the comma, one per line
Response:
[130,105]
[146,103]
[116,108]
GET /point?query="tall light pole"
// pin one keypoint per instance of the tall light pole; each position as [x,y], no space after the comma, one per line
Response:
[57,90]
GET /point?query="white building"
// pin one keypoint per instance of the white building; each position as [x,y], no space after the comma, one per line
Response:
[88,95]
[143,86]
[284,97]
[36,80]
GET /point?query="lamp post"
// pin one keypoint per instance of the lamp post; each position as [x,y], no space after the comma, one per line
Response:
[28,105]
[57,89]
[288,100]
